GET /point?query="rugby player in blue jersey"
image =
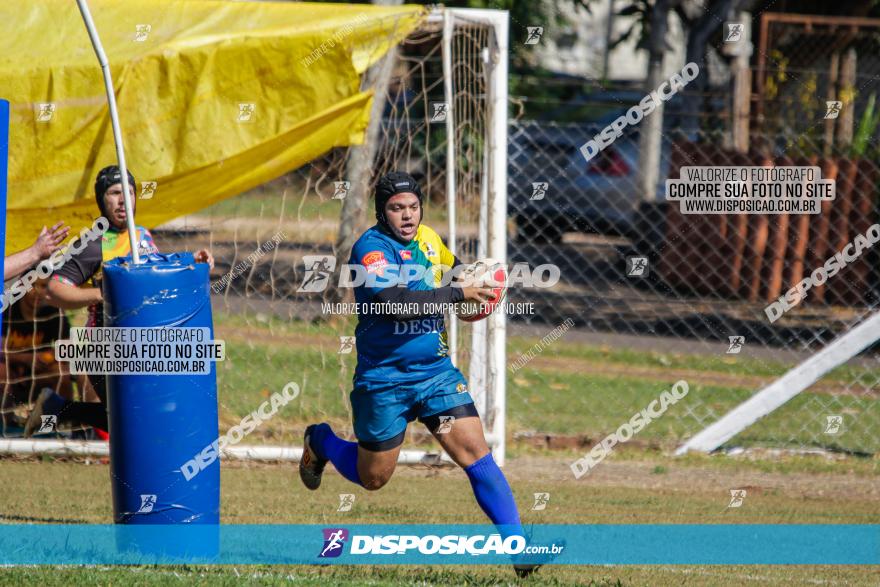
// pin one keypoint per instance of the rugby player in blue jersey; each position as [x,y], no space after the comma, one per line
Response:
[403,369]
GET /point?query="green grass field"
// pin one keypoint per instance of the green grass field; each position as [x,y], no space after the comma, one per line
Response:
[634,489]
[570,389]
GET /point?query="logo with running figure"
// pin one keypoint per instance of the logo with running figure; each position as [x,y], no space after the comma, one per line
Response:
[334,541]
[833,424]
[541,501]
[340,189]
[637,266]
[539,190]
[737,497]
[148,189]
[346,345]
[446,423]
[736,344]
[246,111]
[734,32]
[141,32]
[148,502]
[832,109]
[45,112]
[534,34]
[318,269]
[48,423]
[346,502]
[439,111]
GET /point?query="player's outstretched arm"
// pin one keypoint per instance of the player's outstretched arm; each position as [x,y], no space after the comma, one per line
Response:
[422,300]
[47,242]
[70,297]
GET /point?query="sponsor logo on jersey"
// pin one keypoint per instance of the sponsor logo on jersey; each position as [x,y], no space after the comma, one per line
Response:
[406,255]
[375,262]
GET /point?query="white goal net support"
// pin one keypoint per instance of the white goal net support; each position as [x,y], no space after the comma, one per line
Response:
[440,113]
[846,348]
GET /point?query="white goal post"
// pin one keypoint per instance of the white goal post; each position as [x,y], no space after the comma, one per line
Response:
[473,41]
[838,352]
[487,372]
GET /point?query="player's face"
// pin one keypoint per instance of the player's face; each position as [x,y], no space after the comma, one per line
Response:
[114,204]
[403,212]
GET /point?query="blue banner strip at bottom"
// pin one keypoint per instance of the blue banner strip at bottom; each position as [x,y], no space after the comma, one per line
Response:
[633,544]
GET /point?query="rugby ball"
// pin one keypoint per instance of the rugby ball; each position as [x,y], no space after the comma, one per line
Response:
[485,272]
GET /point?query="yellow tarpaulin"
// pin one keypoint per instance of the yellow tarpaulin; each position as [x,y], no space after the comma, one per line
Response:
[215,97]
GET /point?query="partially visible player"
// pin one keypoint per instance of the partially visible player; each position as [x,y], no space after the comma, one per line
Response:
[48,241]
[27,359]
[403,369]
[66,289]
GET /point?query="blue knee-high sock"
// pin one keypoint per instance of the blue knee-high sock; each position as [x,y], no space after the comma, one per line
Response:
[494,495]
[341,453]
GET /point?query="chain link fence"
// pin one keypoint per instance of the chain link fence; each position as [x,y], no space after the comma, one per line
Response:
[647,296]
[657,295]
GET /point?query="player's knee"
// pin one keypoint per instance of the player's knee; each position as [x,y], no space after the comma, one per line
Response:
[375,475]
[374,482]
[469,455]
[477,451]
